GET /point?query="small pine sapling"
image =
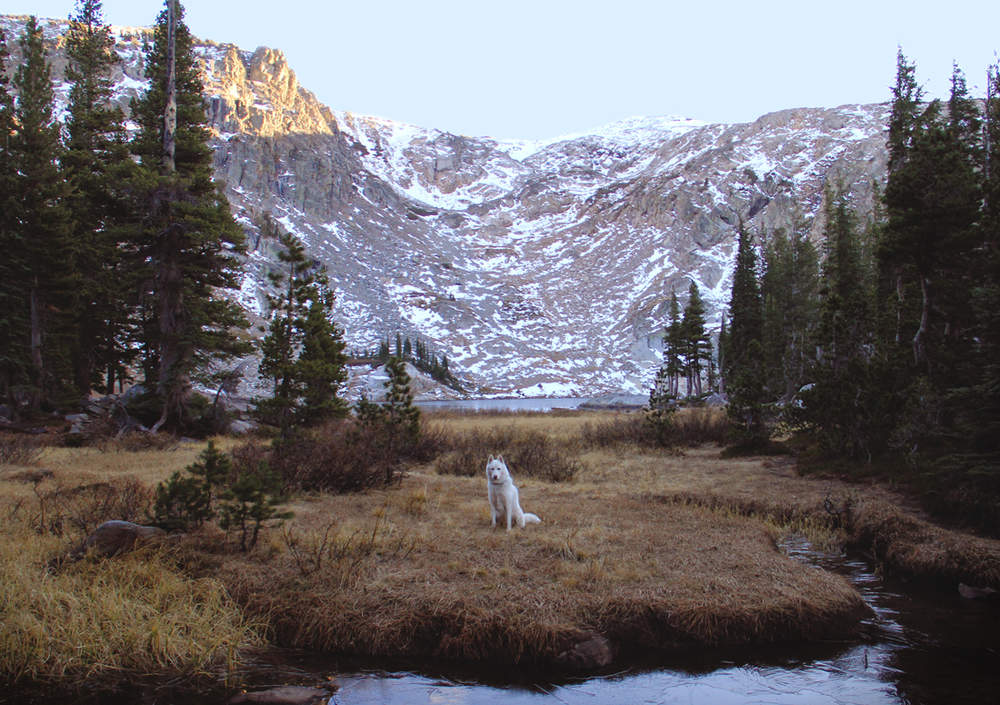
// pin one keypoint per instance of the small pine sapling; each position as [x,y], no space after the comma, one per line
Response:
[253,498]
[183,502]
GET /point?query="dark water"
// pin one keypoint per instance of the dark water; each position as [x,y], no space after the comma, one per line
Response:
[918,648]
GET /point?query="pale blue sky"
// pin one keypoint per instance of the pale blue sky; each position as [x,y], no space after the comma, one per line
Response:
[543,68]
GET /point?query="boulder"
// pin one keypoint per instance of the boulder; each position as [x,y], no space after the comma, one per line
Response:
[589,654]
[970,592]
[283,695]
[116,536]
[241,427]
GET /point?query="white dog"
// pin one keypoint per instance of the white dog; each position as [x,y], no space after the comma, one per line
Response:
[503,495]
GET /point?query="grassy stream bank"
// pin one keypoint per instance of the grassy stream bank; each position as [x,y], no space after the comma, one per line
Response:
[650,550]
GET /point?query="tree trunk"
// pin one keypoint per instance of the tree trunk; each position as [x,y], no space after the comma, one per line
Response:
[919,346]
[37,334]
[170,113]
[173,383]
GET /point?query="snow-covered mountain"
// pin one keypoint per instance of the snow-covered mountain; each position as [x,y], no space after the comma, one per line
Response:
[536,267]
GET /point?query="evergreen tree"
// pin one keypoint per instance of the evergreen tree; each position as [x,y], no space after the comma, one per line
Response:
[744,353]
[402,417]
[931,247]
[97,164]
[789,289]
[975,450]
[303,351]
[186,232]
[697,345]
[905,113]
[839,404]
[45,257]
[322,364]
[14,355]
[673,344]
[661,407]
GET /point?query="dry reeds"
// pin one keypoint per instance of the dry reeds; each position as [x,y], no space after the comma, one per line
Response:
[646,575]
[910,546]
[109,622]
[652,550]
[19,449]
[687,428]
[528,453]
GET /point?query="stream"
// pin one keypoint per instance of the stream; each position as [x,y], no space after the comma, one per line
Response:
[917,648]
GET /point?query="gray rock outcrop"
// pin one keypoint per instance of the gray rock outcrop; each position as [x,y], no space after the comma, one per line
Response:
[535,267]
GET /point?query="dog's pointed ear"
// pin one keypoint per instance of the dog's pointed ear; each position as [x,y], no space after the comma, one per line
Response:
[490,460]
[500,458]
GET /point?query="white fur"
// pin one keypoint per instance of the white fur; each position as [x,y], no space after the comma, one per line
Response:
[503,495]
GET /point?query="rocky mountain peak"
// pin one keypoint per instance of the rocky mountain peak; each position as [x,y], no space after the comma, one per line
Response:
[537,267]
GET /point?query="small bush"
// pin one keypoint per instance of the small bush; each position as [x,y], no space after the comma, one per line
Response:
[700,425]
[18,449]
[185,501]
[687,427]
[338,457]
[528,454]
[630,429]
[250,500]
[83,509]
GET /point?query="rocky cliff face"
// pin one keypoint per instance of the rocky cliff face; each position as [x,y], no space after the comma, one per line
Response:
[535,267]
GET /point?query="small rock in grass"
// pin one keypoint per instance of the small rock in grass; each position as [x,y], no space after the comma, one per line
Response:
[116,536]
[588,654]
[282,695]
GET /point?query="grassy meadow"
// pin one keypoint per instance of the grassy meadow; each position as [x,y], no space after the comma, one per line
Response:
[655,550]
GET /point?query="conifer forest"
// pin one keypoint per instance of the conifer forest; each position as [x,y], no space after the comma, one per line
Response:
[877,348]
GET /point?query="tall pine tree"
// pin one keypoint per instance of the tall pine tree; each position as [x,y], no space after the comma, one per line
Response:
[744,353]
[97,165]
[673,344]
[789,288]
[186,233]
[697,345]
[13,307]
[303,351]
[45,258]
[839,403]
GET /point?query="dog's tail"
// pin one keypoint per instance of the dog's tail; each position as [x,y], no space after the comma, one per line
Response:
[530,518]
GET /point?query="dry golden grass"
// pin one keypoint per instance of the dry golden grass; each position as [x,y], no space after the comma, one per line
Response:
[437,581]
[109,622]
[654,550]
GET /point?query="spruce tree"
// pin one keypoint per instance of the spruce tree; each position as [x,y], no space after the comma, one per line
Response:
[840,403]
[186,232]
[322,364]
[303,351]
[673,344]
[401,416]
[14,355]
[744,353]
[789,289]
[97,165]
[45,258]
[697,345]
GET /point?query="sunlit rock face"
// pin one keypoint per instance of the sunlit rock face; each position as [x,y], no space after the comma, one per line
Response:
[536,267]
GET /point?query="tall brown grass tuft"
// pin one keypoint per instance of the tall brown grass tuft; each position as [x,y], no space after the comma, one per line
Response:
[19,449]
[81,509]
[110,622]
[687,428]
[528,453]
[913,547]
